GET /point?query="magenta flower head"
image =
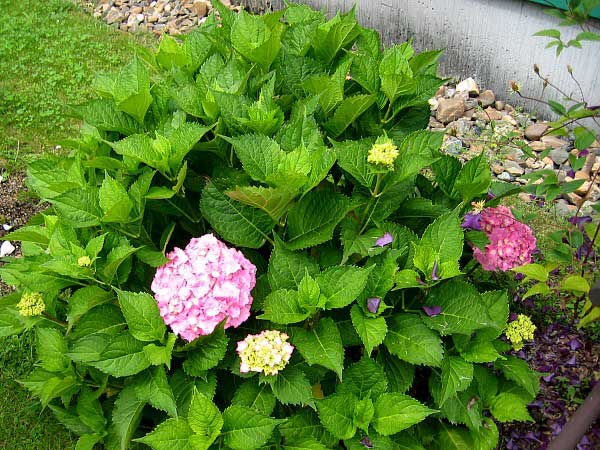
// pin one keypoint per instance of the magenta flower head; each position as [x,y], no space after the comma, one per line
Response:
[511,242]
[203,285]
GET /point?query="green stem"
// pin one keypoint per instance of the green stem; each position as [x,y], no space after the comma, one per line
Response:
[374,195]
[55,320]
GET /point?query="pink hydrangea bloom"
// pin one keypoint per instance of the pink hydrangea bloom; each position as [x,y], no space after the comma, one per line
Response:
[511,242]
[202,285]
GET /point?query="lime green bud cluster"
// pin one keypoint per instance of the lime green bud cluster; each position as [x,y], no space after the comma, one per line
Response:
[31,304]
[267,352]
[519,330]
[84,261]
[383,153]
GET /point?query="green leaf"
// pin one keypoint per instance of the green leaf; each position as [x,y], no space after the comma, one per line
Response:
[131,90]
[257,396]
[312,220]
[206,352]
[170,54]
[103,115]
[395,72]
[441,244]
[363,414]
[51,349]
[477,349]
[507,407]
[332,36]
[235,222]
[142,316]
[204,418]
[321,345]
[341,285]
[283,306]
[123,356]
[365,378]
[487,437]
[371,330]
[158,355]
[452,438]
[347,112]
[291,387]
[245,428]
[400,374]
[103,319]
[416,151]
[254,39]
[305,425]
[260,155]
[519,371]
[48,386]
[457,375]
[410,340]
[309,294]
[337,414]
[287,268]
[152,387]
[141,147]
[83,300]
[352,157]
[463,310]
[79,208]
[305,444]
[273,201]
[87,441]
[474,178]
[396,412]
[126,416]
[172,434]
[576,284]
[533,271]
[548,33]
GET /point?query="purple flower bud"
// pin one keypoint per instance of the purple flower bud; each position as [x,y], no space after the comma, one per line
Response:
[490,195]
[548,378]
[384,240]
[366,442]
[472,221]
[571,362]
[584,153]
[432,311]
[373,304]
[434,274]
[519,276]
[512,316]
[574,344]
[571,173]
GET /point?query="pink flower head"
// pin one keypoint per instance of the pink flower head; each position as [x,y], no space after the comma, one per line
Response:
[511,242]
[203,285]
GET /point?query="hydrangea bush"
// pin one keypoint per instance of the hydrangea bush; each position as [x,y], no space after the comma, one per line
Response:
[254,244]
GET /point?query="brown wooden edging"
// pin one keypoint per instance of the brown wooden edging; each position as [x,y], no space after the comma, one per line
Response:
[581,421]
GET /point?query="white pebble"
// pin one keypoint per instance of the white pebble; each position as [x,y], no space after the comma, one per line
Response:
[7,227]
[6,249]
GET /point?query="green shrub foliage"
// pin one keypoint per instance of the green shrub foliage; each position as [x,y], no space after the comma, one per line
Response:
[258,129]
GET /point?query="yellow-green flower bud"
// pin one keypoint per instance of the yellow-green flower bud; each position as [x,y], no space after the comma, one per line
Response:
[383,153]
[519,330]
[31,304]
[84,261]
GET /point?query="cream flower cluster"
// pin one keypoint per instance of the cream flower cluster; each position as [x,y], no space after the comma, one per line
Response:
[520,330]
[267,352]
[31,304]
[383,153]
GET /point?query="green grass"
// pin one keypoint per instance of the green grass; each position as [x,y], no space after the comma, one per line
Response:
[49,53]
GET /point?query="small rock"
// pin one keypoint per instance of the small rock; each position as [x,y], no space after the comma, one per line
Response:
[433,123]
[497,169]
[488,114]
[7,227]
[524,197]
[114,15]
[450,109]
[554,141]
[200,8]
[574,198]
[581,175]
[487,98]
[469,85]
[140,17]
[505,176]
[499,104]
[433,104]
[559,155]
[6,249]
[459,127]
[513,168]
[471,103]
[583,189]
[509,119]
[535,131]
[452,146]
[563,208]
[537,146]
[136,10]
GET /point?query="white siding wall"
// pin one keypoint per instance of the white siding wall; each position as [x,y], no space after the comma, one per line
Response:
[490,40]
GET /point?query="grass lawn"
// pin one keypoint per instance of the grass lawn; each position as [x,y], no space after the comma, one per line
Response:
[49,53]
